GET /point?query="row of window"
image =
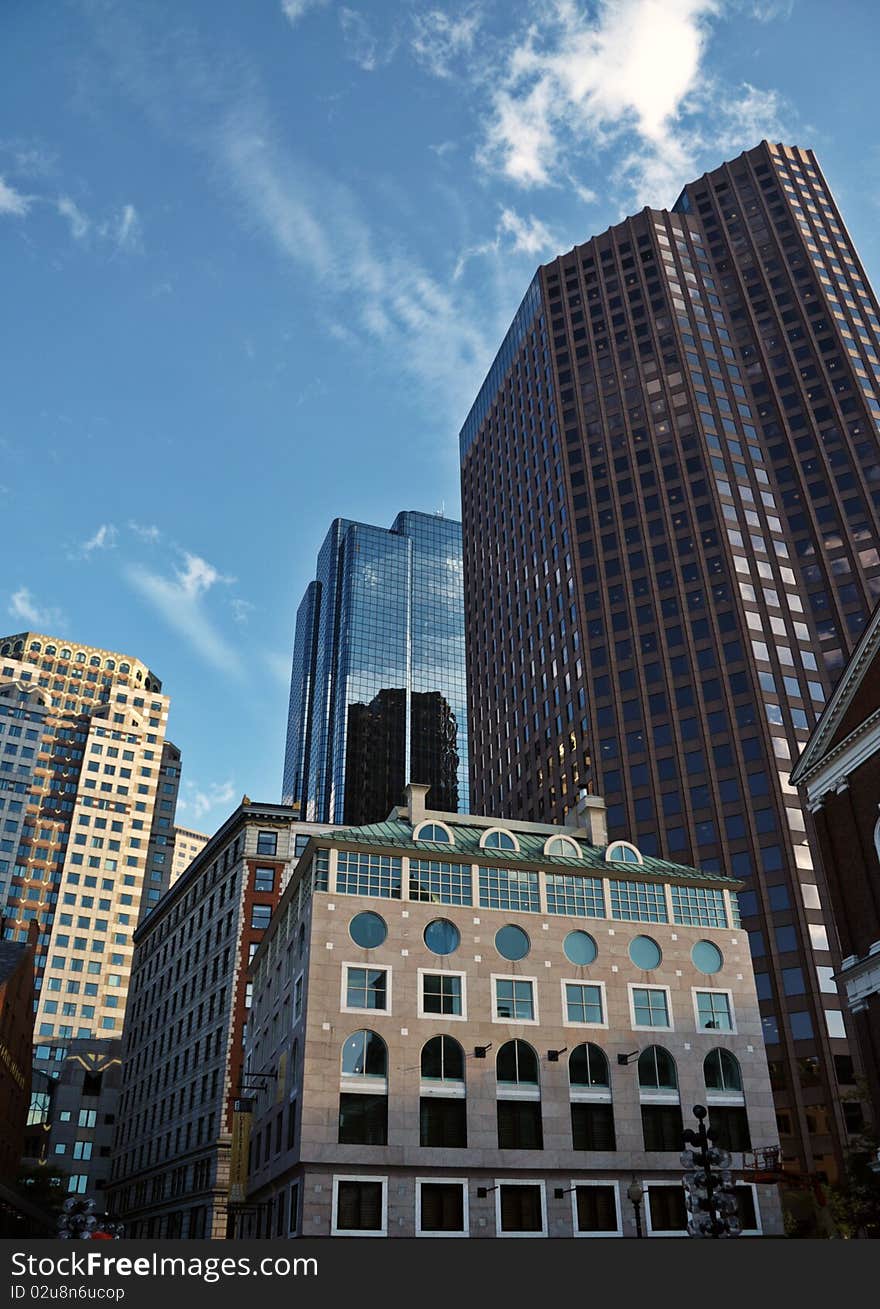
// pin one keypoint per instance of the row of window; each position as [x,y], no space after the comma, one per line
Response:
[514,1000]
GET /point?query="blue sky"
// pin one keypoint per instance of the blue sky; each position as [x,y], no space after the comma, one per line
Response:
[256,259]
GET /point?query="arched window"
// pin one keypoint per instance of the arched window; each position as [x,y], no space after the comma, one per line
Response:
[442,1060]
[722,1072]
[517,1064]
[877,838]
[439,833]
[5,649]
[562,847]
[35,647]
[365,1054]
[125,668]
[588,1067]
[94,662]
[498,839]
[65,654]
[110,665]
[657,1070]
[79,657]
[622,852]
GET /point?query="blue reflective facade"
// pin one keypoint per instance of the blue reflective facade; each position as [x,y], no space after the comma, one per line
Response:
[377,693]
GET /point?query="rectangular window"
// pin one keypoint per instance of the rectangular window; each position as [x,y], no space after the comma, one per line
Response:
[729,1125]
[714,1012]
[596,1210]
[363,1119]
[508,888]
[368,874]
[441,994]
[592,1127]
[575,897]
[520,1209]
[666,1211]
[514,1000]
[583,1003]
[359,1206]
[267,843]
[698,906]
[436,882]
[442,1208]
[650,1006]
[366,988]
[519,1125]
[641,902]
[260,915]
[662,1127]
[264,879]
[442,1122]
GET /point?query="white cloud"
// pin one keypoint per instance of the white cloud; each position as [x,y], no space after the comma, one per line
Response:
[440,40]
[180,602]
[362,43]
[149,533]
[121,229]
[12,201]
[767,11]
[294,10]
[202,800]
[629,74]
[124,229]
[23,606]
[241,609]
[103,539]
[513,235]
[80,223]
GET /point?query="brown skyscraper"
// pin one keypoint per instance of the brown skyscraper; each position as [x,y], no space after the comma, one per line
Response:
[670,486]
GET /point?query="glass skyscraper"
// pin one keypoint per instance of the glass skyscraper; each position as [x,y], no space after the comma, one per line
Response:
[377,692]
[671,512]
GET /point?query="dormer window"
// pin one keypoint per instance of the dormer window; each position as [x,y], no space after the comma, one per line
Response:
[439,833]
[621,852]
[563,847]
[498,839]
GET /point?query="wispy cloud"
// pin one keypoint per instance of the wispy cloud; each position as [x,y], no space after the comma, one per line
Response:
[626,73]
[122,229]
[513,235]
[200,800]
[241,609]
[24,607]
[294,10]
[147,532]
[180,601]
[80,223]
[441,40]
[368,50]
[103,539]
[13,202]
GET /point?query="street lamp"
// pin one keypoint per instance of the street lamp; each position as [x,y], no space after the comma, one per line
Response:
[709,1190]
[636,1195]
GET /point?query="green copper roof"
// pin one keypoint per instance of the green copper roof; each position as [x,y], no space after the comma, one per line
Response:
[398,833]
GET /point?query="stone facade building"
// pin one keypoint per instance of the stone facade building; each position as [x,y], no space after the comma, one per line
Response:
[474,1026]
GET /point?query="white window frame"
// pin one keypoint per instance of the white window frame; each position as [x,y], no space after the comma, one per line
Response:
[520,1181]
[714,990]
[632,987]
[567,840]
[626,845]
[752,1231]
[574,1183]
[438,972]
[515,1022]
[433,822]
[346,1008]
[494,848]
[583,981]
[444,1181]
[335,1230]
[660,1231]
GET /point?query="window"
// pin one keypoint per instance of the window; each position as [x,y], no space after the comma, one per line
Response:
[498,839]
[722,1072]
[517,1064]
[360,1206]
[562,847]
[713,1011]
[707,958]
[584,1003]
[662,1127]
[260,916]
[368,874]
[596,1209]
[367,988]
[363,1119]
[520,1209]
[443,1061]
[512,942]
[264,879]
[588,1068]
[592,1125]
[729,1125]
[442,1207]
[508,888]
[442,937]
[650,1006]
[364,1054]
[267,843]
[439,833]
[580,948]
[575,896]
[368,930]
[433,881]
[519,1125]
[697,906]
[442,1122]
[657,1070]
[623,852]
[514,1000]
[640,902]
[442,993]
[665,1210]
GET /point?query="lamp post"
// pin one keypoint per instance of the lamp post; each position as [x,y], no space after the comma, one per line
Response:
[636,1194]
[708,1182]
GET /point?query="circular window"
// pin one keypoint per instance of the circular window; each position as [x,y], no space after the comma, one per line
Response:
[707,957]
[644,953]
[511,942]
[442,937]
[367,930]
[580,948]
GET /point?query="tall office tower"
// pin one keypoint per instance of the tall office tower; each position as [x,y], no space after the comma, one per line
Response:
[82,734]
[670,504]
[377,693]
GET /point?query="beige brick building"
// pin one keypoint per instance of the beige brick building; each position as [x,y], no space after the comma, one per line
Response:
[473,1027]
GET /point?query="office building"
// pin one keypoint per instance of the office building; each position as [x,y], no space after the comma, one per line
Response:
[187,1013]
[670,516]
[377,692]
[482,1027]
[839,773]
[72,1117]
[16,1031]
[87,796]
[187,844]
